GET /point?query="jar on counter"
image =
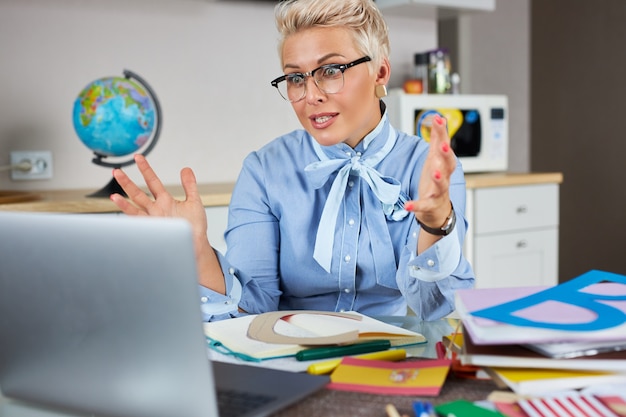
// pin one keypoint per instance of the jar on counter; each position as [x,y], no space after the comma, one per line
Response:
[418,83]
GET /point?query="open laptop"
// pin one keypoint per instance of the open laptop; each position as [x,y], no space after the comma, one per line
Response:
[100,315]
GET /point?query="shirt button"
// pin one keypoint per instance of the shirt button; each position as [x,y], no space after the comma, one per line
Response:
[350,184]
[430,263]
[343,310]
[204,299]
[347,258]
[415,235]
[347,290]
[231,271]
[348,154]
[358,154]
[351,222]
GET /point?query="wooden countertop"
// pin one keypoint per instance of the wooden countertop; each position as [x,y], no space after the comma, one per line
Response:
[76,201]
[499,179]
[214,194]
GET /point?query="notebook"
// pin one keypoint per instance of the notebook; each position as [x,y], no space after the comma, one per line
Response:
[101,315]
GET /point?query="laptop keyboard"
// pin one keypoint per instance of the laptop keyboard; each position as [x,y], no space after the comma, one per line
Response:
[232,403]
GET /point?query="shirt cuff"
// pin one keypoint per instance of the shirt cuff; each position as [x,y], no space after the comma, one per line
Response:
[439,261]
[215,305]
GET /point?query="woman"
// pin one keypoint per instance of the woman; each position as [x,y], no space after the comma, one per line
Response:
[345,214]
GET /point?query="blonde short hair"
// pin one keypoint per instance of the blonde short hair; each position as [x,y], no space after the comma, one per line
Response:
[362,17]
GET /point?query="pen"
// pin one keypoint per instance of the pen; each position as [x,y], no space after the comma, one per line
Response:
[392,411]
[327,367]
[334,351]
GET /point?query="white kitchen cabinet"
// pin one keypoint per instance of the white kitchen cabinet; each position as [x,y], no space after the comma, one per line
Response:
[512,237]
[442,9]
[217,220]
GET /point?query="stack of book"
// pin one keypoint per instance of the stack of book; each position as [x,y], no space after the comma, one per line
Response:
[296,334]
[540,339]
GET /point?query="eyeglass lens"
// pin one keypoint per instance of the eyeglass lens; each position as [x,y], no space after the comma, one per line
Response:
[328,79]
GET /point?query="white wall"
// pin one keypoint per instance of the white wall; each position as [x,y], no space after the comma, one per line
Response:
[209,62]
[494,58]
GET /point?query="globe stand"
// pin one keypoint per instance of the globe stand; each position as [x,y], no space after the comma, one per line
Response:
[113,187]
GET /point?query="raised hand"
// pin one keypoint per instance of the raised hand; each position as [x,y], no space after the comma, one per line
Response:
[162,204]
[433,204]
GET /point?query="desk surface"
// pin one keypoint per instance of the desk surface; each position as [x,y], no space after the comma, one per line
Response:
[327,402]
[353,404]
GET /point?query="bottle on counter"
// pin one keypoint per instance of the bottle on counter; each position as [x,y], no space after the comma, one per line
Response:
[439,72]
[455,81]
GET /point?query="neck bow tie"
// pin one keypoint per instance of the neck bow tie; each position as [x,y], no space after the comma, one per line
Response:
[385,189]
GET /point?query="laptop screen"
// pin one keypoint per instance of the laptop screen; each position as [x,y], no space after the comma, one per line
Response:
[100,314]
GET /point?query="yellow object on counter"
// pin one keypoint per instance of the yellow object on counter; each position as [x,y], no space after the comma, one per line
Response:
[327,367]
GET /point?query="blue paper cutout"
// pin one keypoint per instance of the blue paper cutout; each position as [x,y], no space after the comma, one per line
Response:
[567,293]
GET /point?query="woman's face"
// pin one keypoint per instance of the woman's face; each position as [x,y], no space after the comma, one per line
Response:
[348,115]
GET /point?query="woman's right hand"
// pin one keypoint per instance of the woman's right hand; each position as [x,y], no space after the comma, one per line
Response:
[162,204]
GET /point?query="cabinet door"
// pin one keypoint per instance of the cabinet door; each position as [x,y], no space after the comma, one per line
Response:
[500,209]
[517,259]
[217,219]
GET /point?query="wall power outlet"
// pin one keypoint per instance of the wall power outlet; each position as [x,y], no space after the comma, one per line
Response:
[33,165]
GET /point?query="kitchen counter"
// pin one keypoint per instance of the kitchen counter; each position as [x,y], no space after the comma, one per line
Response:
[214,194]
[76,200]
[500,179]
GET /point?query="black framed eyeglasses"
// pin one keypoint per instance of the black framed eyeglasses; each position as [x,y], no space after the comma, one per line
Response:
[328,78]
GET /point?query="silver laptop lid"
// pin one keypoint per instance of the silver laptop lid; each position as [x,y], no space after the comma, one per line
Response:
[70,283]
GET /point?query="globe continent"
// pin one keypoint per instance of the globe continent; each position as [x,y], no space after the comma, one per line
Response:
[114,116]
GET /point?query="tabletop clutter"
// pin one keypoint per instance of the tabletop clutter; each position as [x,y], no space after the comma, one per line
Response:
[549,350]
[559,350]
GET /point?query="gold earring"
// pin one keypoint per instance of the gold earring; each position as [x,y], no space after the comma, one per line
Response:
[380,91]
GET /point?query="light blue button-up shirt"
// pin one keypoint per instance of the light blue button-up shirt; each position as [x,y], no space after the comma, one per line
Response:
[372,266]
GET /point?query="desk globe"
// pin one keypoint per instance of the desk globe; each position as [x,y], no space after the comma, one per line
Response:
[116,117]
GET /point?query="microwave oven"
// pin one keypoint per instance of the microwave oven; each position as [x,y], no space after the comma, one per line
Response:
[477,124]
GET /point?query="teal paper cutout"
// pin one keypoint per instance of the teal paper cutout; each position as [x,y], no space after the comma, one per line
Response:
[217,346]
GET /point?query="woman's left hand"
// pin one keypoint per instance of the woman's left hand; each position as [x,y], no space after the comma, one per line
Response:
[433,205]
